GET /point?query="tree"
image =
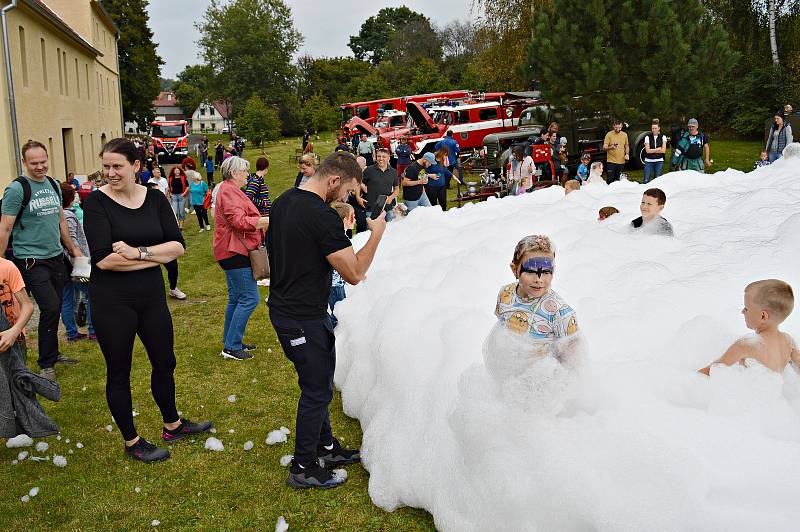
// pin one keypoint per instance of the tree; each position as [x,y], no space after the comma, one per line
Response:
[195,85]
[414,41]
[319,114]
[372,86]
[250,45]
[139,64]
[426,78]
[372,41]
[258,122]
[334,78]
[617,60]
[773,41]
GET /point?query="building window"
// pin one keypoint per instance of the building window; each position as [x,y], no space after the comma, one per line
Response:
[60,72]
[211,111]
[202,126]
[66,73]
[77,78]
[213,126]
[44,64]
[83,155]
[88,91]
[202,111]
[23,52]
[108,91]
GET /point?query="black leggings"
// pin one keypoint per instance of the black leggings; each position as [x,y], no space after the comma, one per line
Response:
[172,273]
[437,195]
[116,325]
[202,216]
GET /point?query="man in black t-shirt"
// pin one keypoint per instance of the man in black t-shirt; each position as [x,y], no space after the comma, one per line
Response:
[414,180]
[305,240]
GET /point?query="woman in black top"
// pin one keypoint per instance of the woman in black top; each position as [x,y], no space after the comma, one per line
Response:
[131,231]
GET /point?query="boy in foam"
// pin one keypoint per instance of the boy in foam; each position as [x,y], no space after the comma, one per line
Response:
[348,216]
[651,222]
[571,186]
[606,212]
[530,306]
[767,304]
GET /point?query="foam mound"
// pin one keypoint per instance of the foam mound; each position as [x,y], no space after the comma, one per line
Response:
[458,422]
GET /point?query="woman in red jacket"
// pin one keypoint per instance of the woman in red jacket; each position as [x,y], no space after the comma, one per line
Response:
[238,228]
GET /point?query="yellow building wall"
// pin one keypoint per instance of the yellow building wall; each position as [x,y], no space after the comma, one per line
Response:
[65,97]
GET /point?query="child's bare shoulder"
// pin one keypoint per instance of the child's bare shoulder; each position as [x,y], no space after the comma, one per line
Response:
[745,347]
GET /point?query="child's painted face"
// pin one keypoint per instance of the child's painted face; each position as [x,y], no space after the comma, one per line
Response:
[650,207]
[754,316]
[764,156]
[535,274]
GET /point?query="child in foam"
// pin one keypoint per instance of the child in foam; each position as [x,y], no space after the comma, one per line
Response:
[651,222]
[767,304]
[529,306]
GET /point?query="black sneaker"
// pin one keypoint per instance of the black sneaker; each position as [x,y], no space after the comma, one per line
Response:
[64,359]
[146,452]
[312,476]
[186,428]
[249,347]
[236,354]
[337,456]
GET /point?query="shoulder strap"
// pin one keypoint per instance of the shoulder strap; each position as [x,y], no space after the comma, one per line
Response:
[26,198]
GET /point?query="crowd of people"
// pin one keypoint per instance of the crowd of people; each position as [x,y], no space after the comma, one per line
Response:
[128,222]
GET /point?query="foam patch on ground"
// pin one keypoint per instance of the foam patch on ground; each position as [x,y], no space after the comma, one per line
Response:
[635,439]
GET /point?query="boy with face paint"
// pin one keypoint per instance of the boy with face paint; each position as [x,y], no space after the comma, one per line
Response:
[530,306]
[651,222]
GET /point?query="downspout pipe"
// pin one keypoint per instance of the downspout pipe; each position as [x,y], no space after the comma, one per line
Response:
[12,102]
[119,89]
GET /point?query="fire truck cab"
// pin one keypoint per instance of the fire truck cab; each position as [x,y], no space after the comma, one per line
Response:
[170,140]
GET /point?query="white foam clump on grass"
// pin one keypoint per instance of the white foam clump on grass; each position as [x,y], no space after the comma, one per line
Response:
[137,489]
[285,430]
[59,461]
[22,455]
[275,436]
[213,444]
[281,525]
[42,446]
[564,450]
[21,440]
[109,428]
[25,498]
[79,445]
[339,474]
[286,459]
[248,445]
[155,522]
[34,491]
[231,398]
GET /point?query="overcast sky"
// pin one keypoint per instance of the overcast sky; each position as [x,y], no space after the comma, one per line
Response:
[326,25]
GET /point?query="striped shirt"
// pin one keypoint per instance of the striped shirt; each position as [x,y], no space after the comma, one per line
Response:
[258,192]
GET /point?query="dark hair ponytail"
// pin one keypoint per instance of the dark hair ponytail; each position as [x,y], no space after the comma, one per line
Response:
[123,147]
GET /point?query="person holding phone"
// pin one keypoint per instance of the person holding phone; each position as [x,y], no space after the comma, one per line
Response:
[380,179]
[306,242]
[618,151]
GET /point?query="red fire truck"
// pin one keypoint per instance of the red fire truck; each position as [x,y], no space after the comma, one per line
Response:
[369,112]
[170,140]
[470,123]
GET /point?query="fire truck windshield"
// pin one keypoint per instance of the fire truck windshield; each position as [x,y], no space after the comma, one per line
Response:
[164,131]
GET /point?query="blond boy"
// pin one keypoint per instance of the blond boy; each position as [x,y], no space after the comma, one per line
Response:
[767,304]
[571,186]
[348,216]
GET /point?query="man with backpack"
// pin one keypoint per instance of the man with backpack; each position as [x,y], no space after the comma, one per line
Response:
[33,217]
[693,151]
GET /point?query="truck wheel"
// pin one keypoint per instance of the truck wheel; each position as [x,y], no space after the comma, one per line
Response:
[639,161]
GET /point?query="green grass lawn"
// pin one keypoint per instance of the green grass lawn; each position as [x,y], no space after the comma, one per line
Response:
[197,488]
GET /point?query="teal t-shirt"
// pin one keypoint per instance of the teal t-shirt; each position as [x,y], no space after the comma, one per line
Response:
[41,236]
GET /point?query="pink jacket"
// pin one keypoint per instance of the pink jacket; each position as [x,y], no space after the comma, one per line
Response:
[234,212]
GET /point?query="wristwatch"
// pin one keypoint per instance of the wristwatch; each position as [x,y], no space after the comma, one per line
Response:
[144,253]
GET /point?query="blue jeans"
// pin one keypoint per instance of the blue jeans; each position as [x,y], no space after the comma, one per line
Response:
[337,294]
[68,304]
[423,201]
[774,156]
[389,215]
[178,202]
[652,169]
[242,301]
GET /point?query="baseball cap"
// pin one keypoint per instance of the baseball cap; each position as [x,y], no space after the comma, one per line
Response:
[430,158]
[693,122]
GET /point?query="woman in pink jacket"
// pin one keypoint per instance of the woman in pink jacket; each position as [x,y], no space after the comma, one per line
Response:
[238,228]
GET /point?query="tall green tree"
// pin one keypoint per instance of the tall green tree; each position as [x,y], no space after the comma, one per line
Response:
[635,58]
[139,64]
[258,122]
[334,77]
[319,114]
[250,45]
[372,41]
[195,84]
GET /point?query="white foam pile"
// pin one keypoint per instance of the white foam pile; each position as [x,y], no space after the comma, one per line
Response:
[635,439]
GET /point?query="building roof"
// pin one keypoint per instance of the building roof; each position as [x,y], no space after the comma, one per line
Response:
[43,9]
[165,99]
[218,105]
